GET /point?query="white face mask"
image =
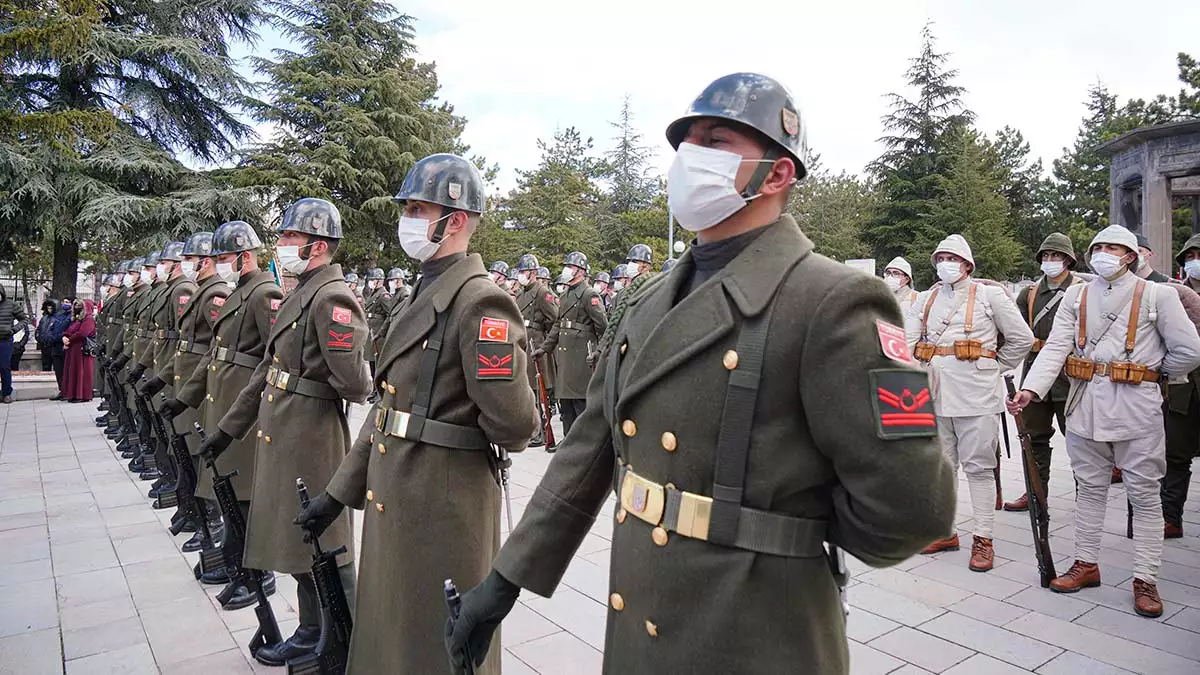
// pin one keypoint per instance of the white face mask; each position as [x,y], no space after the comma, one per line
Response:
[162,270]
[1106,264]
[524,278]
[146,276]
[949,271]
[227,273]
[618,285]
[598,287]
[393,285]
[290,260]
[188,269]
[561,288]
[566,276]
[1053,268]
[1192,267]
[414,237]
[127,280]
[700,186]
[893,283]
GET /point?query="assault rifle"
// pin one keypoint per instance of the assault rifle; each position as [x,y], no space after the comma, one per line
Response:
[1039,517]
[117,401]
[145,433]
[234,541]
[454,607]
[190,506]
[332,652]
[544,403]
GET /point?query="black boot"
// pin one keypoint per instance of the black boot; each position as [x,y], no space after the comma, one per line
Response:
[242,596]
[218,577]
[114,434]
[137,464]
[160,487]
[102,421]
[103,405]
[197,541]
[301,643]
[150,474]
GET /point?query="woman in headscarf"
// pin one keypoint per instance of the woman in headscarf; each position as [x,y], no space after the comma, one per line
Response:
[77,375]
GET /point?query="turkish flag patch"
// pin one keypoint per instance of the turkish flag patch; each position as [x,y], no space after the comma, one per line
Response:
[595,301]
[275,304]
[493,330]
[893,342]
[494,361]
[902,403]
[340,341]
[342,314]
[183,299]
[219,301]
[550,297]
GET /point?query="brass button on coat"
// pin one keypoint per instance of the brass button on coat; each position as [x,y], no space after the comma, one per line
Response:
[275,359]
[383,386]
[260,433]
[651,628]
[621,515]
[730,360]
[391,388]
[293,325]
[382,449]
[668,441]
[267,439]
[379,506]
[628,428]
[659,535]
[270,398]
[624,346]
[370,495]
[617,602]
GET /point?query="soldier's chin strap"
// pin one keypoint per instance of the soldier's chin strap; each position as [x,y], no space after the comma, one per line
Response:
[761,173]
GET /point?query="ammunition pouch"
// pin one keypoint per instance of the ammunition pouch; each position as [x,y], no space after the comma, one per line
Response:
[968,350]
[1120,372]
[924,351]
[1080,369]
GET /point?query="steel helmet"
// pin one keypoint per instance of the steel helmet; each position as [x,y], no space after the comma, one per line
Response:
[235,236]
[500,267]
[576,259]
[123,266]
[444,179]
[622,272]
[375,273]
[136,265]
[603,278]
[317,217]
[199,244]
[1060,243]
[543,273]
[394,273]
[173,251]
[151,259]
[668,264]
[512,274]
[639,253]
[351,278]
[528,261]
[756,101]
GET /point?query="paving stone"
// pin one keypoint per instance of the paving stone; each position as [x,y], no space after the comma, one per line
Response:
[85,588]
[561,653]
[1110,649]
[982,664]
[102,637]
[22,505]
[992,640]
[159,582]
[22,521]
[579,614]
[867,661]
[511,665]
[29,653]
[891,605]
[863,626]
[155,546]
[229,662]
[524,624]
[1169,639]
[1061,605]
[917,587]
[993,587]
[24,572]
[134,660]
[83,556]
[922,649]
[588,579]
[986,609]
[97,613]
[1188,618]
[183,630]
[1070,663]
[908,669]
[28,607]
[127,515]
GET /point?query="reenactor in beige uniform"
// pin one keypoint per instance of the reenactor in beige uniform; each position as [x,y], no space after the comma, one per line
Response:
[752,405]
[954,329]
[1182,415]
[539,311]
[573,338]
[423,467]
[1038,303]
[231,329]
[1117,336]
[898,278]
[315,357]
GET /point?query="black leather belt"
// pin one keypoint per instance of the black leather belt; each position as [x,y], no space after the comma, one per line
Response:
[282,379]
[227,355]
[192,347]
[403,424]
[167,335]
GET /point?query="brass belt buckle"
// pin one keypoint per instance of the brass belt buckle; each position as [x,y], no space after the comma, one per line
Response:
[282,378]
[396,423]
[695,513]
[642,498]
[222,353]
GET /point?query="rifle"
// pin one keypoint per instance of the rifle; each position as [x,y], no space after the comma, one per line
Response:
[234,541]
[454,606]
[1007,453]
[332,653]
[144,431]
[544,404]
[117,399]
[503,462]
[211,557]
[1039,517]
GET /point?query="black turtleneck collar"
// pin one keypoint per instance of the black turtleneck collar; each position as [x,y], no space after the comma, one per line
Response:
[245,278]
[432,269]
[710,258]
[308,274]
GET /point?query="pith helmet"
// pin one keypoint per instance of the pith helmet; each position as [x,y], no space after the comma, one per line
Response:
[1119,235]
[957,245]
[899,263]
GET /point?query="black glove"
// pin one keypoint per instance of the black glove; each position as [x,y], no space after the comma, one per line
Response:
[537,353]
[483,608]
[319,515]
[171,408]
[135,373]
[118,364]
[151,386]
[215,444]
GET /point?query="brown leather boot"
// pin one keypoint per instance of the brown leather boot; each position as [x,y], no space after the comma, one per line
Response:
[1116,476]
[1172,531]
[981,554]
[1021,504]
[1081,575]
[1145,599]
[947,544]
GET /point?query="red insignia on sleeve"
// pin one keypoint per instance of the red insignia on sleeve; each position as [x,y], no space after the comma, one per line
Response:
[893,342]
[344,341]
[493,330]
[275,304]
[902,403]
[595,301]
[183,299]
[494,362]
[219,301]
[342,314]
[550,297]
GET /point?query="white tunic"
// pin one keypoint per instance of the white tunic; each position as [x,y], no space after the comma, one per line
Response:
[969,388]
[1166,341]
[905,296]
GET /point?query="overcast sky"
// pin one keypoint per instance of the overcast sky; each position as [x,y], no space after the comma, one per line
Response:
[520,69]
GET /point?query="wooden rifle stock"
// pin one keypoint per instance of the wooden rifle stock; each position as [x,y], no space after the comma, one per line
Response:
[1039,517]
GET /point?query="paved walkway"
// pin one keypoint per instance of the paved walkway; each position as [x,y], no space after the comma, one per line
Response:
[91,582]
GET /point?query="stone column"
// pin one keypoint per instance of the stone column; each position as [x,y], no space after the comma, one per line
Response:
[1156,210]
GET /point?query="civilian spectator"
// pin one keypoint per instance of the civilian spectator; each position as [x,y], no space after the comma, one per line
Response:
[9,311]
[58,328]
[44,342]
[77,369]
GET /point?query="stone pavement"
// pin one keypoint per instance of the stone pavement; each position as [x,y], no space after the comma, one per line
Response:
[91,582]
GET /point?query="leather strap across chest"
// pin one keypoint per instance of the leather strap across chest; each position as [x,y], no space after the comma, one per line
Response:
[1130,329]
[968,320]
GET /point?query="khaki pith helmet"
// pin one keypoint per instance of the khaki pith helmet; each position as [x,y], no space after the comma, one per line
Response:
[1060,243]
[1191,243]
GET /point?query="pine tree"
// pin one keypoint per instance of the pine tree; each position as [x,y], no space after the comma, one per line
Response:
[1189,96]
[95,108]
[626,167]
[1023,186]
[354,110]
[833,211]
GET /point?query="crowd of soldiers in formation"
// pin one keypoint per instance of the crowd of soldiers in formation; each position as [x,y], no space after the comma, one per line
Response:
[758,409]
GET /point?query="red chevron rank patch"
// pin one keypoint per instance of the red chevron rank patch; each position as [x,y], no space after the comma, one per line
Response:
[340,341]
[494,361]
[902,404]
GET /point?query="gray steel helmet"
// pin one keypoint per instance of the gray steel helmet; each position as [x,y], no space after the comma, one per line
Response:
[375,273]
[395,273]
[317,217]
[151,259]
[123,267]
[756,101]
[173,251]
[499,266]
[543,273]
[136,265]
[444,179]
[512,274]
[234,237]
[527,262]
[604,277]
[577,259]
[622,272]
[639,253]
[351,278]
[199,244]
[668,264]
